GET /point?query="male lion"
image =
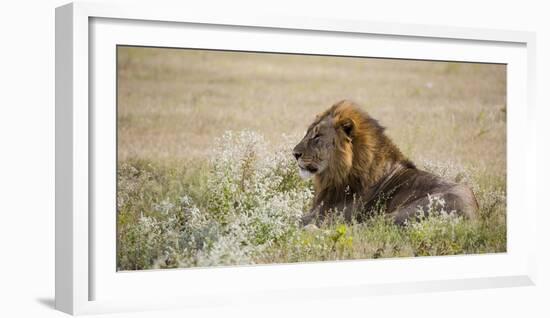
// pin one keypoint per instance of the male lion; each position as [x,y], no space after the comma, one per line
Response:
[357,169]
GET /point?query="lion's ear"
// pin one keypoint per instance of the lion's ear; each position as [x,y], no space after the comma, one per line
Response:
[348,126]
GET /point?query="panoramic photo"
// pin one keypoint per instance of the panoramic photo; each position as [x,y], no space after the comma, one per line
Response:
[229,158]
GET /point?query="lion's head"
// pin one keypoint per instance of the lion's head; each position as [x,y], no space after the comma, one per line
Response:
[344,147]
[327,144]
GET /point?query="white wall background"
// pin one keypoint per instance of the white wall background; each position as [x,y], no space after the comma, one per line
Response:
[27,158]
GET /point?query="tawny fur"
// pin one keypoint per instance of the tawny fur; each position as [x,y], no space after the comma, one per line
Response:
[364,170]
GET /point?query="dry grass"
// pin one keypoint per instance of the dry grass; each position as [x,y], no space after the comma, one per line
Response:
[172,103]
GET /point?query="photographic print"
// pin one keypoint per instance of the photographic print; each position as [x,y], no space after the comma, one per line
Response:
[229,158]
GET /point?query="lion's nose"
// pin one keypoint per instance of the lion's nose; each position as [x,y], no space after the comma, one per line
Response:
[297,155]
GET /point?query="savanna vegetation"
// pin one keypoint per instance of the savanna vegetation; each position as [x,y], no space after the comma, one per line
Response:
[205,175]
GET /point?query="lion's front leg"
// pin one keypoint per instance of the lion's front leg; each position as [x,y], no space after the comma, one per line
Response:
[318,214]
[312,217]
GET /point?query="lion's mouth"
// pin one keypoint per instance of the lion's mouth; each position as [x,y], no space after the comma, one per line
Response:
[312,168]
[308,171]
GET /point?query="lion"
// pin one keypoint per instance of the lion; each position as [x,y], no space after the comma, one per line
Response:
[357,169]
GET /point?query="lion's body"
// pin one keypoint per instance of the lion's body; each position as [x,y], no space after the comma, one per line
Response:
[357,169]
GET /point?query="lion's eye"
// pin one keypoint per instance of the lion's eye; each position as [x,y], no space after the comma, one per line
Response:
[317,136]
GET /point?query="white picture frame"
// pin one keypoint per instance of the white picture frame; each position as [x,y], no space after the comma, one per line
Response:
[85,282]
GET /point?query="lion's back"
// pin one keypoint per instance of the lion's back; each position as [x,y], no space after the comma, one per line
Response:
[417,189]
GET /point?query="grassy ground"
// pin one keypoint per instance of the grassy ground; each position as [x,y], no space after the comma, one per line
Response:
[190,194]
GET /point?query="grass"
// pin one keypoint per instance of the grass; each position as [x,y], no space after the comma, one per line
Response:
[243,206]
[205,177]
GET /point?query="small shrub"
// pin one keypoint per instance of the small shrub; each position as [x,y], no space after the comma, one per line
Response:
[252,200]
